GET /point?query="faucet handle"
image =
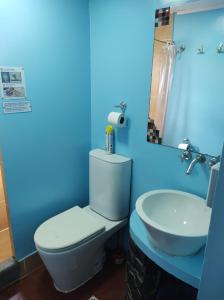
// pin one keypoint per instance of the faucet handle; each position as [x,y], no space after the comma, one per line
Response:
[213,161]
[201,158]
[186,155]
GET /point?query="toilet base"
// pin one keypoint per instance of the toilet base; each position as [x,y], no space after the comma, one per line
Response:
[75,288]
[97,268]
[72,269]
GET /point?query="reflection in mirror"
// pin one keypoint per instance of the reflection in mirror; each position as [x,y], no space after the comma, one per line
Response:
[187,89]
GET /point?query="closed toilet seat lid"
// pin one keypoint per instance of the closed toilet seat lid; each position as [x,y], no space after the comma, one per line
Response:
[67,229]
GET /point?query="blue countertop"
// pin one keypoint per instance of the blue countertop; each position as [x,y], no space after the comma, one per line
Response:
[185,268]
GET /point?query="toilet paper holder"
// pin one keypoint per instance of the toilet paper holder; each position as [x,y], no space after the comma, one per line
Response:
[123,106]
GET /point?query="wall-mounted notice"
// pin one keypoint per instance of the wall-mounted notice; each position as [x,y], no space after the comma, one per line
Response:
[14,107]
[12,83]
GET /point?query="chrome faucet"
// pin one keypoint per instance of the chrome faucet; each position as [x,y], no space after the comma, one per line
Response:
[200,158]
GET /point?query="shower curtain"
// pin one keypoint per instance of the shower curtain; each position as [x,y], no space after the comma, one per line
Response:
[167,62]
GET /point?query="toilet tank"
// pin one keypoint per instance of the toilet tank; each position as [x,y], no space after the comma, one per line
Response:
[109,184]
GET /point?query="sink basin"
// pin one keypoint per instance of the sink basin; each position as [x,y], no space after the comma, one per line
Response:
[177,222]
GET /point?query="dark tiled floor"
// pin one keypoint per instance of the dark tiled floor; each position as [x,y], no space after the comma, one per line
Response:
[109,284]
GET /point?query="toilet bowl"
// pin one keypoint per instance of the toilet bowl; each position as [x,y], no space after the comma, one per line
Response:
[71,244]
[75,257]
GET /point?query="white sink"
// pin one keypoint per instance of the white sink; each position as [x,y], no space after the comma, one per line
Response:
[177,222]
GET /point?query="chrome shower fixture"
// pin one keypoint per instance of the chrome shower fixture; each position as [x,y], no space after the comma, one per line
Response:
[201,50]
[181,48]
[220,48]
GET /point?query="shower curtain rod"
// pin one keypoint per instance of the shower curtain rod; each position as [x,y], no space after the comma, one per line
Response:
[164,42]
[179,49]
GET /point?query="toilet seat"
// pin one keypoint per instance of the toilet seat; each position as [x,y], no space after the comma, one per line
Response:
[70,228]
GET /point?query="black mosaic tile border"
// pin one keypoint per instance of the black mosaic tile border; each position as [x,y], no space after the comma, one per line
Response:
[153,133]
[162,17]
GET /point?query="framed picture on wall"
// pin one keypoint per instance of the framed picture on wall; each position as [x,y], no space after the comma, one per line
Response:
[12,83]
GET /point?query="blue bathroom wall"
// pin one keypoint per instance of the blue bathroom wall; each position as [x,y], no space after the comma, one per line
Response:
[121,63]
[45,152]
[195,107]
[122,35]
[211,286]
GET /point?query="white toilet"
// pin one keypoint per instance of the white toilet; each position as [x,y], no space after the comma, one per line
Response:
[71,244]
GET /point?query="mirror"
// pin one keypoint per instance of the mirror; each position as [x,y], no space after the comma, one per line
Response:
[187,87]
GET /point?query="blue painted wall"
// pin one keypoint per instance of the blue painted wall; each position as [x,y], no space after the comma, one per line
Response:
[195,107]
[45,152]
[211,286]
[121,60]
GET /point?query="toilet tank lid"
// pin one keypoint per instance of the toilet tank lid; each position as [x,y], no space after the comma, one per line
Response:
[111,158]
[70,228]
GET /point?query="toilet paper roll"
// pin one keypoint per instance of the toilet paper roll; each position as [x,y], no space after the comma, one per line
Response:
[117,119]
